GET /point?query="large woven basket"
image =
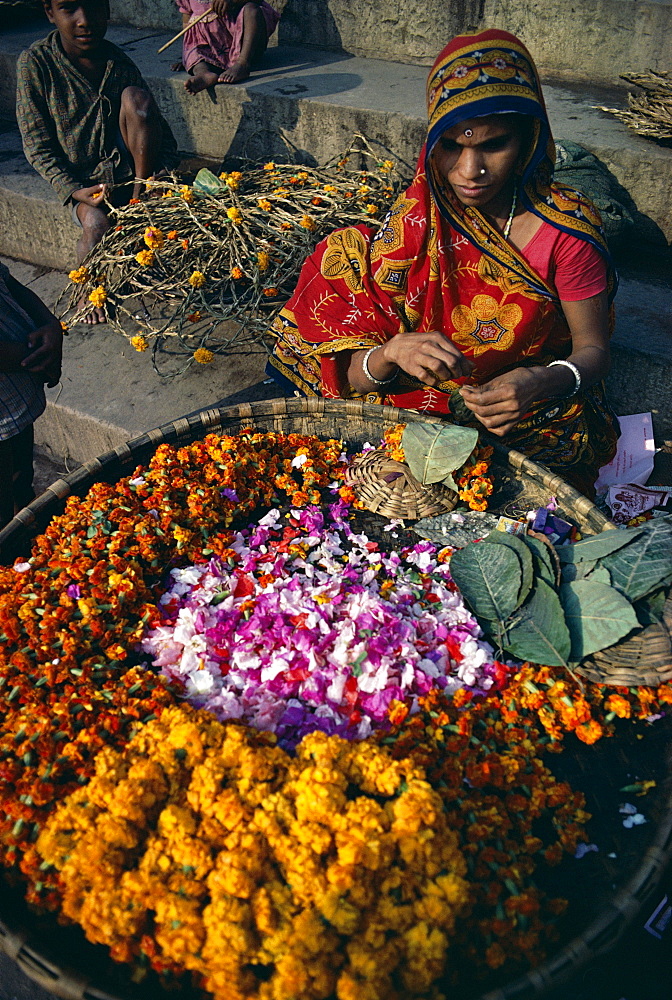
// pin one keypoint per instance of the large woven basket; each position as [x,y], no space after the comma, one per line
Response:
[60,960]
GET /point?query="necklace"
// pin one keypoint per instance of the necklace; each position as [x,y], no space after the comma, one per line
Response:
[507,227]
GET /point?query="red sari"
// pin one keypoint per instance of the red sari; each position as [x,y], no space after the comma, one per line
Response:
[436,265]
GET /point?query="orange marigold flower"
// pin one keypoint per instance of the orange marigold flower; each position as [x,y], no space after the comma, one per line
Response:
[271,292]
[140,343]
[589,732]
[237,273]
[203,356]
[172,235]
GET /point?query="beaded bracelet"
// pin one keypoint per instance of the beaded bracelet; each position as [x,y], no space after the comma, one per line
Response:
[576,373]
[372,378]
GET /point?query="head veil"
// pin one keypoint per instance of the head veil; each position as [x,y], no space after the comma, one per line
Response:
[493,73]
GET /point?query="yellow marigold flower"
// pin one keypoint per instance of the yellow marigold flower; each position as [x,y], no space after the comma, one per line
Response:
[264,204]
[64,327]
[270,292]
[145,258]
[196,279]
[302,175]
[98,296]
[281,191]
[371,209]
[263,260]
[168,193]
[203,356]
[386,165]
[285,225]
[269,166]
[233,179]
[363,189]
[235,215]
[307,223]
[80,275]
[186,193]
[330,189]
[154,238]
[237,273]
[140,343]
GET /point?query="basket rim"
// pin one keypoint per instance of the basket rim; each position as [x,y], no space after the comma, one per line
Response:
[210,419]
[64,981]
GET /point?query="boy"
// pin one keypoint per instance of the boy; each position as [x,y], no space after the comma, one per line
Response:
[87,117]
[31,341]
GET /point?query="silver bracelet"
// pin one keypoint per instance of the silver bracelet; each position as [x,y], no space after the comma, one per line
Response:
[577,376]
[365,369]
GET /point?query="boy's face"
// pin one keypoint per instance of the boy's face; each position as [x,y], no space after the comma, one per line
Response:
[80,23]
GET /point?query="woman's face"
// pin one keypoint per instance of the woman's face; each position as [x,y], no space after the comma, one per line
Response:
[478,158]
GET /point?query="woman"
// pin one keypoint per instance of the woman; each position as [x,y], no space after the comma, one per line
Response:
[485,294]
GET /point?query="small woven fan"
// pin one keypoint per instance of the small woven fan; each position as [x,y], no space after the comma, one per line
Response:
[644,660]
[387,487]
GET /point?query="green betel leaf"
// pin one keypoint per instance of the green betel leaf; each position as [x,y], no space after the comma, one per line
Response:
[523,553]
[578,570]
[541,557]
[650,609]
[434,451]
[597,616]
[643,566]
[538,632]
[206,182]
[489,578]
[599,545]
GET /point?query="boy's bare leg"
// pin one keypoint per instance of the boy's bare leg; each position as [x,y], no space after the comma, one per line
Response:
[140,126]
[204,75]
[255,41]
[95,224]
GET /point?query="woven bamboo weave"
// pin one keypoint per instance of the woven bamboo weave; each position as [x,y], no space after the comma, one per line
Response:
[644,659]
[388,487]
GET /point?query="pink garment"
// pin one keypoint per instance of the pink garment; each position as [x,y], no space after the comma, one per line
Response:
[217,40]
[574,267]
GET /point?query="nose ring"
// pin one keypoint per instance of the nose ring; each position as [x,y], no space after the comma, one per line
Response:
[468,132]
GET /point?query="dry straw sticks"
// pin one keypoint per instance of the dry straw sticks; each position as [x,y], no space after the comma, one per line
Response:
[188,270]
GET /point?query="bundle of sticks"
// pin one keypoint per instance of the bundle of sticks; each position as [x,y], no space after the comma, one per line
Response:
[649,113]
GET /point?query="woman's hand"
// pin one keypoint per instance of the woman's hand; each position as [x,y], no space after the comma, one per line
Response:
[430,357]
[44,360]
[502,402]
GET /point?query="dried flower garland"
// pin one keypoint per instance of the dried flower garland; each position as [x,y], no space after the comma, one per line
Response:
[196,267]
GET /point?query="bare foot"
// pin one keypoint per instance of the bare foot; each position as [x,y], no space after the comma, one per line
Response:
[235,74]
[177,67]
[200,81]
[95,315]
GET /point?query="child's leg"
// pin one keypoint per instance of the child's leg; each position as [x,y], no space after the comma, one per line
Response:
[16,474]
[140,125]
[95,224]
[255,41]
[204,75]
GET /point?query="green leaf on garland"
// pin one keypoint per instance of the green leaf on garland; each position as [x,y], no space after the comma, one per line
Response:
[525,556]
[541,557]
[597,616]
[642,567]
[206,182]
[598,546]
[434,451]
[538,632]
[489,578]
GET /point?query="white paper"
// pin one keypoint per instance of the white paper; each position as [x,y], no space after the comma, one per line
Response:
[633,461]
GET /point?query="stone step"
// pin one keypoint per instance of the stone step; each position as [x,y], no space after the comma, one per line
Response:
[316,101]
[593,40]
[109,393]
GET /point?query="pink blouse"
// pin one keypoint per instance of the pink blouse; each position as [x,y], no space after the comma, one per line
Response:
[575,268]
